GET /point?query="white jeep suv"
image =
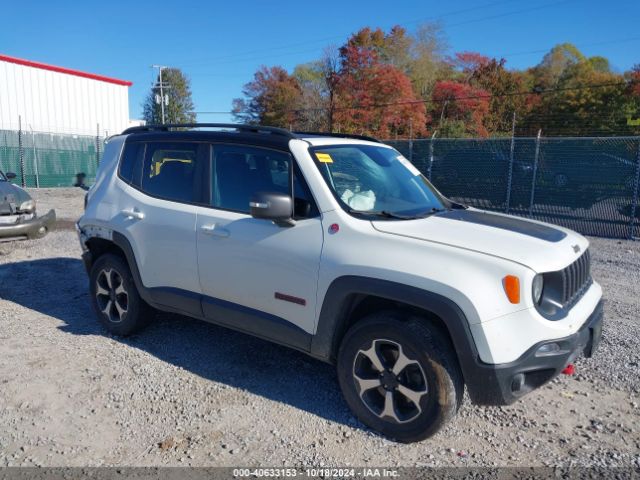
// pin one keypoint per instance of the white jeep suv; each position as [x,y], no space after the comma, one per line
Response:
[337,246]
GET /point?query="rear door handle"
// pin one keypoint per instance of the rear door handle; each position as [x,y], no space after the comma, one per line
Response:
[215,230]
[138,215]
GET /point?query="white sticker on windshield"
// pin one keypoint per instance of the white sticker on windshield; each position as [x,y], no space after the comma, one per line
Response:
[414,171]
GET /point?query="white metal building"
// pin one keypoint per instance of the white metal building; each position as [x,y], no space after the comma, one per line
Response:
[46,98]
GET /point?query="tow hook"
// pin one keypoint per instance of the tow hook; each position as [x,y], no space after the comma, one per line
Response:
[569,369]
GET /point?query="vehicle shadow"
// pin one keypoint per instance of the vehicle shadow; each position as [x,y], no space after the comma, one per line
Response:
[214,353]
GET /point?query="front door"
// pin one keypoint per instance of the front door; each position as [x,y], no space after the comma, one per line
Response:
[254,275]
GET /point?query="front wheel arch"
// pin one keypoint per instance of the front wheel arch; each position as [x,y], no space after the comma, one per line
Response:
[346,293]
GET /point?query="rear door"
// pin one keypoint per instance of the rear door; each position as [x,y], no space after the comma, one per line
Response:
[158,215]
[255,275]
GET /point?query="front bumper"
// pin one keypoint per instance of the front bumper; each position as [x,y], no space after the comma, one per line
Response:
[503,384]
[37,227]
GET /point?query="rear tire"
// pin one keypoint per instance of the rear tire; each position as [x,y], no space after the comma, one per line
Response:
[115,298]
[399,376]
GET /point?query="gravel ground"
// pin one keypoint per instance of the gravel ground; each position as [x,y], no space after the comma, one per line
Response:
[185,392]
[67,202]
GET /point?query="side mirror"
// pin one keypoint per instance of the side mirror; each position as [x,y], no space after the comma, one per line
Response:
[277,207]
[10,175]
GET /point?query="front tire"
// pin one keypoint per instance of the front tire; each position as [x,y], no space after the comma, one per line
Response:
[115,298]
[399,376]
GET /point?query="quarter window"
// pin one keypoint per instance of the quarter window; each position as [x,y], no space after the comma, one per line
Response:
[131,162]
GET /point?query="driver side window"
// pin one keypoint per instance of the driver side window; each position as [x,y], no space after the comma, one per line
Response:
[240,171]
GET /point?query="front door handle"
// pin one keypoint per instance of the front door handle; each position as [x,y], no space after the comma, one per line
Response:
[215,230]
[135,213]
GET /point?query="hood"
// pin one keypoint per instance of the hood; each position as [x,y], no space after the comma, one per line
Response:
[536,245]
[11,194]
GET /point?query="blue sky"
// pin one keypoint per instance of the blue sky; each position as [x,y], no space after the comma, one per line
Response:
[220,44]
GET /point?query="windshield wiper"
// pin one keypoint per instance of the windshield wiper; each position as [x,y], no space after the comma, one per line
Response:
[458,206]
[430,212]
[382,213]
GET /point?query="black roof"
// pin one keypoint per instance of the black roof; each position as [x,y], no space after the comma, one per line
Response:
[228,132]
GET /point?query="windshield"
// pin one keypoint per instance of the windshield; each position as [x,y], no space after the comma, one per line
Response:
[377,180]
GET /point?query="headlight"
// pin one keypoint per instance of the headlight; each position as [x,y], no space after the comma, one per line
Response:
[27,206]
[536,289]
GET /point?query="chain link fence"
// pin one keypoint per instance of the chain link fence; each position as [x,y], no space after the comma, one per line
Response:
[42,159]
[590,185]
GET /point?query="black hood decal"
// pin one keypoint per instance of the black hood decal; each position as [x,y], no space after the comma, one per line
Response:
[512,224]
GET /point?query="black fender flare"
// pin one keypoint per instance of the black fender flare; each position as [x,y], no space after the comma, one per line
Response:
[123,244]
[334,316]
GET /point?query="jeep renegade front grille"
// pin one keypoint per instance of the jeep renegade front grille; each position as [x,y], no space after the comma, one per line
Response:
[576,279]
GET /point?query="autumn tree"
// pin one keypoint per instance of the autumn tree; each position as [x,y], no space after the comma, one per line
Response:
[374,97]
[459,110]
[419,55]
[390,83]
[271,98]
[468,63]
[178,106]
[634,81]
[507,91]
[632,103]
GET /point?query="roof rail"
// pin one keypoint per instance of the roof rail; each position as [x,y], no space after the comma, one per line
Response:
[339,135]
[239,127]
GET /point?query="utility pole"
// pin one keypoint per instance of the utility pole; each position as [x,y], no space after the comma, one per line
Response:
[161,85]
[510,176]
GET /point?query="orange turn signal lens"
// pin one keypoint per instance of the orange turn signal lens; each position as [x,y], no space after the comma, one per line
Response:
[511,285]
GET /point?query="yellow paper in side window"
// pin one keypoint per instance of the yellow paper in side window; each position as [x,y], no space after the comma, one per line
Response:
[324,157]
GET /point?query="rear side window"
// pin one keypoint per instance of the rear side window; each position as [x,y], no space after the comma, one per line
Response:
[172,171]
[131,162]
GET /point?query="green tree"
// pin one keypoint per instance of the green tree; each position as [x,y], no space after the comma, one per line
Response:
[312,105]
[553,65]
[318,82]
[586,101]
[179,109]
[428,65]
[600,64]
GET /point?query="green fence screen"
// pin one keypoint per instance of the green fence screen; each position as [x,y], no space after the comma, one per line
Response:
[48,159]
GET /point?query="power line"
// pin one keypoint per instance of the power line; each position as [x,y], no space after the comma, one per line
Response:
[335,37]
[501,15]
[233,58]
[531,52]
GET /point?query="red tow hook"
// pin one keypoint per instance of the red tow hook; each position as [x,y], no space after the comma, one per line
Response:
[569,369]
